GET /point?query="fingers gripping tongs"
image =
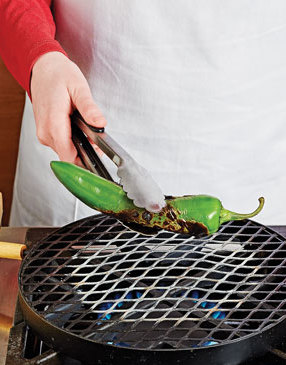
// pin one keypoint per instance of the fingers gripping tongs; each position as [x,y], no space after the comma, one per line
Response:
[135,179]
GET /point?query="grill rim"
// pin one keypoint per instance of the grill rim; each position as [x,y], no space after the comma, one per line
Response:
[83,349]
[24,303]
[29,312]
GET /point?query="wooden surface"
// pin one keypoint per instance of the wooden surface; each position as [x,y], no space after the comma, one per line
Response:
[8,287]
[11,109]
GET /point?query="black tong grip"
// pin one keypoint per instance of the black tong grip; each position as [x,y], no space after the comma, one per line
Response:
[76,114]
[86,152]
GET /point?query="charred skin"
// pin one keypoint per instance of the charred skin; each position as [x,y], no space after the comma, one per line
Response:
[168,219]
[191,214]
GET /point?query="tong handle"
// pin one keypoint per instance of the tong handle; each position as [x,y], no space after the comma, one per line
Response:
[107,144]
[87,154]
[76,115]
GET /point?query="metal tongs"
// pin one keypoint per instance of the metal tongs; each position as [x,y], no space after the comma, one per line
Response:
[135,179]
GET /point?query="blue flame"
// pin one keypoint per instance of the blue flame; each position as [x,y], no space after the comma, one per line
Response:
[195,295]
[113,342]
[105,306]
[207,305]
[218,315]
[129,296]
[209,343]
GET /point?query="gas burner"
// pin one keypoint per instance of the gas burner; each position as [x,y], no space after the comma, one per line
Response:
[26,348]
[99,282]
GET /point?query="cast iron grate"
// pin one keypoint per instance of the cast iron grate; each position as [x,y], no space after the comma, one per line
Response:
[97,279]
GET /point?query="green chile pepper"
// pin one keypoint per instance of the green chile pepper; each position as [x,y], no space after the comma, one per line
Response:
[191,214]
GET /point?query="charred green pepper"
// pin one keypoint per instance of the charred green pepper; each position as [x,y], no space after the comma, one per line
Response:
[192,214]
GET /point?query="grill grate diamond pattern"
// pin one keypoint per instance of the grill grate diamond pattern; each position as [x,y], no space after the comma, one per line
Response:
[99,280]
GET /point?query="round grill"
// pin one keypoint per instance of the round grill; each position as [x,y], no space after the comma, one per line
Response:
[97,279]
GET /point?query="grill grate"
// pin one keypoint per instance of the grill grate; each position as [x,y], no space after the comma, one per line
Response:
[99,280]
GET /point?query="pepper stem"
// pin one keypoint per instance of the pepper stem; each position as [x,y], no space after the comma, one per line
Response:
[227,215]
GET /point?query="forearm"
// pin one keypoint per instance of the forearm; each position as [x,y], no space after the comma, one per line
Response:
[27,31]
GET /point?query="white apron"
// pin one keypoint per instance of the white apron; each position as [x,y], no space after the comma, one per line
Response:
[194,90]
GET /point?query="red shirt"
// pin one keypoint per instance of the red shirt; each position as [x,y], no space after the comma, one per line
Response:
[27,31]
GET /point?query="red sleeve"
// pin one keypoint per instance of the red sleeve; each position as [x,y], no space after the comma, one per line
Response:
[27,31]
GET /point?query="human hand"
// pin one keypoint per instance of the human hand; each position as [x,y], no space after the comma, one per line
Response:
[57,88]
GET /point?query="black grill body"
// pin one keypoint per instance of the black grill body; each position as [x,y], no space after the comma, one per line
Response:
[97,290]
